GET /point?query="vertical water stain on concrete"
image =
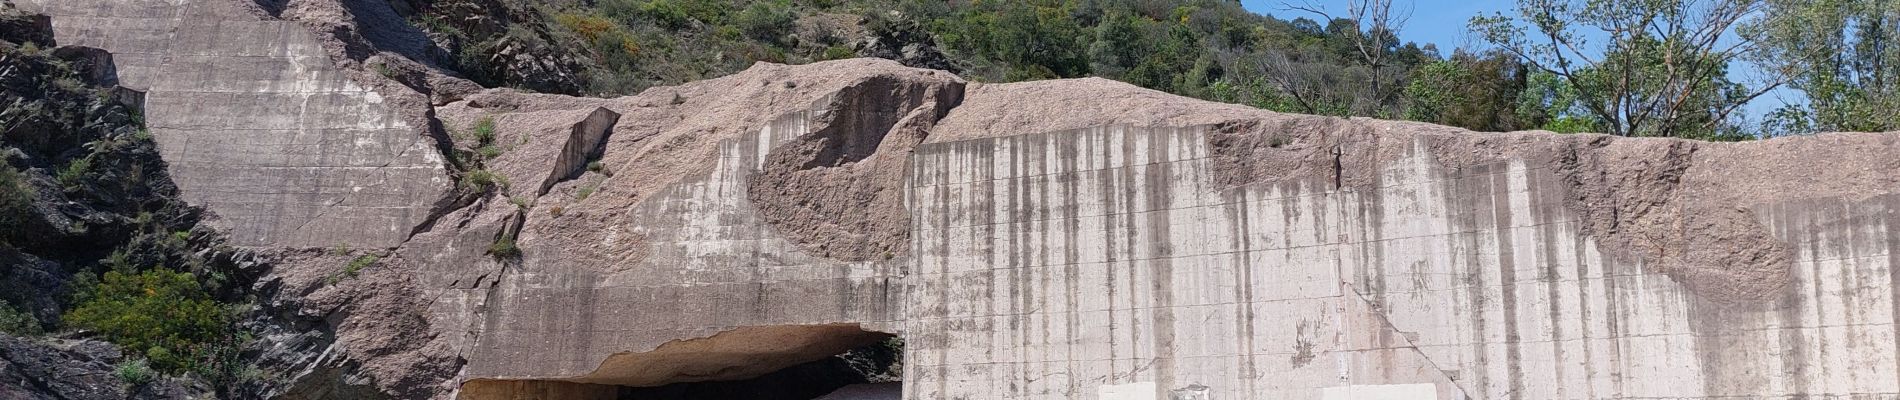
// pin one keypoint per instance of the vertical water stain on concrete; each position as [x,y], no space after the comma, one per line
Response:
[1161,253]
[1505,229]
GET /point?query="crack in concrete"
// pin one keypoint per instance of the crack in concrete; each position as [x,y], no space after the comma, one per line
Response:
[1386,323]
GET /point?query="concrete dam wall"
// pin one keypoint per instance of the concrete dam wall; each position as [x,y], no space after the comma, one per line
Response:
[1105,263]
[1067,239]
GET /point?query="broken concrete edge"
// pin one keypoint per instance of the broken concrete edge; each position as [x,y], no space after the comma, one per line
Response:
[836,191]
[585,144]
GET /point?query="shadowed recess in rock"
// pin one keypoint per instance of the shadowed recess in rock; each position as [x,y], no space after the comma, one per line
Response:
[721,367]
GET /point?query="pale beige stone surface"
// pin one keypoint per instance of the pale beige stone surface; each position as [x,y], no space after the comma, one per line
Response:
[1048,240]
[260,126]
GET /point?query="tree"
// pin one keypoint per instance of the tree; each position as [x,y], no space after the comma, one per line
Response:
[1471,91]
[1844,55]
[1662,67]
[1371,27]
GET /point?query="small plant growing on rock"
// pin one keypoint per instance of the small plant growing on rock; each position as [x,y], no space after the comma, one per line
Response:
[16,201]
[384,70]
[484,130]
[180,238]
[482,180]
[70,176]
[70,84]
[354,268]
[504,247]
[135,372]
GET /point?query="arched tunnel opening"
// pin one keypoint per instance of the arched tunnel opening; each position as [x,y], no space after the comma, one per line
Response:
[813,362]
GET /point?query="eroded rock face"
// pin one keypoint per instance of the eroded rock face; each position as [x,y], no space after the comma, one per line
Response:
[1057,239]
[260,127]
[668,218]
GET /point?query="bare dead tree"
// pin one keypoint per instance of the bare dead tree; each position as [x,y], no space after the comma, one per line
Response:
[1378,23]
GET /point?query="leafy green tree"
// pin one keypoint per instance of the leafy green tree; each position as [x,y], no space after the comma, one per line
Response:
[1659,69]
[1550,103]
[165,315]
[1470,91]
[1025,40]
[1844,55]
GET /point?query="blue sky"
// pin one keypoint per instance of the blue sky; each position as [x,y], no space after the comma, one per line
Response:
[1445,24]
[1438,22]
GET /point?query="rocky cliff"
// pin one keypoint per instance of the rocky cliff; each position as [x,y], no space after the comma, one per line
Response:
[1057,239]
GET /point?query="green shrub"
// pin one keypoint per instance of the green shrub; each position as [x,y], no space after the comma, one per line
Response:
[356,266]
[16,201]
[667,13]
[482,180]
[504,247]
[584,192]
[162,311]
[489,152]
[839,52]
[484,131]
[135,371]
[766,20]
[74,172]
[590,27]
[17,323]
[70,84]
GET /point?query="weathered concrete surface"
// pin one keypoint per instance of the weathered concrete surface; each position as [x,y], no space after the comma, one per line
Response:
[1075,264]
[1059,239]
[657,268]
[258,125]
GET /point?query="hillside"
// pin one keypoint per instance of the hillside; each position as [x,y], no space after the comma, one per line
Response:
[1198,48]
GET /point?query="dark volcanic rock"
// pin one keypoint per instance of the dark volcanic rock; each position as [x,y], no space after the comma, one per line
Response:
[22,28]
[76,369]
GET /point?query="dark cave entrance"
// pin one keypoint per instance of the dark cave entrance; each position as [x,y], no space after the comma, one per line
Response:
[869,370]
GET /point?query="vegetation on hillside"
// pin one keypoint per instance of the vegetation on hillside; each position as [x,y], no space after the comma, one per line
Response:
[97,243]
[1664,68]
